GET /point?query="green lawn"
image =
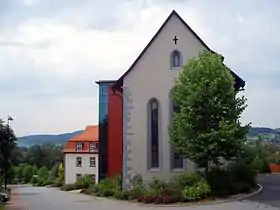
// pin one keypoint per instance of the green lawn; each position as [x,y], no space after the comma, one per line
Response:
[1,207]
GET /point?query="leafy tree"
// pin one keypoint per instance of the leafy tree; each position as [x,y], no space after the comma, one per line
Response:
[27,173]
[206,126]
[43,173]
[34,170]
[7,144]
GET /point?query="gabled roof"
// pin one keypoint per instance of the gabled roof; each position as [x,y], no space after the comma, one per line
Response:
[89,134]
[119,82]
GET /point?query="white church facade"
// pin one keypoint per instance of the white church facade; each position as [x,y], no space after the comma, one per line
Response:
[147,108]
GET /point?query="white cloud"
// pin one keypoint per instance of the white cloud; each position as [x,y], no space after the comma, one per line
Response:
[50,56]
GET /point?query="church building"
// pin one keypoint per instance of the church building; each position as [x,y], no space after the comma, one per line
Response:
[134,123]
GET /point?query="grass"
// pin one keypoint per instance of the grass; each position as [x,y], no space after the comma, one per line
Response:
[1,207]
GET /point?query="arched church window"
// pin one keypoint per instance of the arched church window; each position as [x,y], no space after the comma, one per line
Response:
[176,59]
[153,133]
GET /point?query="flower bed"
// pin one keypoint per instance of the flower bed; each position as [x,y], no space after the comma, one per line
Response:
[187,187]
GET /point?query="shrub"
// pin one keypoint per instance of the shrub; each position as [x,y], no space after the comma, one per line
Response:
[243,177]
[158,185]
[84,182]
[122,195]
[185,179]
[236,178]
[68,187]
[196,192]
[219,181]
[136,192]
[260,164]
[57,183]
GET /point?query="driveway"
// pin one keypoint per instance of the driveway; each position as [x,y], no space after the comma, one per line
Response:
[35,198]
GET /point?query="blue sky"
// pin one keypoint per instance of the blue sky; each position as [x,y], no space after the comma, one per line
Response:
[51,52]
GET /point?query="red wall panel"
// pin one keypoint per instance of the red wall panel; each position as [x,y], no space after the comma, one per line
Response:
[114,133]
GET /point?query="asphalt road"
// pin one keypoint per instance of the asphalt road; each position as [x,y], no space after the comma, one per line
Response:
[270,195]
[40,198]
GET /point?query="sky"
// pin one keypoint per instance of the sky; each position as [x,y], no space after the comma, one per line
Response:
[52,51]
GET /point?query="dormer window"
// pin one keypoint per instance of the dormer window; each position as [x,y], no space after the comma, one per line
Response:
[92,147]
[79,146]
[176,59]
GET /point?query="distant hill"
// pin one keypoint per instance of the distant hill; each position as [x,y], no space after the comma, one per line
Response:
[267,134]
[59,139]
[254,131]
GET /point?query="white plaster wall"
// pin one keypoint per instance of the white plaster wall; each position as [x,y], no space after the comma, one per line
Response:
[71,169]
[152,77]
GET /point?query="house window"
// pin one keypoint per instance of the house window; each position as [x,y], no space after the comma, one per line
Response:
[79,161]
[92,161]
[177,161]
[175,59]
[153,130]
[78,176]
[92,147]
[79,146]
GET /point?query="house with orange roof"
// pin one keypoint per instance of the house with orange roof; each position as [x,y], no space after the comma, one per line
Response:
[81,155]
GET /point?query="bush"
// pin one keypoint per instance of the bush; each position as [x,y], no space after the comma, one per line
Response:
[57,183]
[236,178]
[136,192]
[185,179]
[243,177]
[260,164]
[68,187]
[196,192]
[219,181]
[84,182]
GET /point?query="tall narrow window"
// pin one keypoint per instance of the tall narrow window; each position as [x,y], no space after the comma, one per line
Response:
[153,133]
[176,59]
[79,161]
[92,161]
[177,160]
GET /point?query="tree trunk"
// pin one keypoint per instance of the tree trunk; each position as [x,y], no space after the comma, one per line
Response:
[5,180]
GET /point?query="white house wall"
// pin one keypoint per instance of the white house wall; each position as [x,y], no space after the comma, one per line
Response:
[152,77]
[71,169]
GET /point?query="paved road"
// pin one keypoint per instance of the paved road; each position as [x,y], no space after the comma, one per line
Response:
[270,195]
[53,199]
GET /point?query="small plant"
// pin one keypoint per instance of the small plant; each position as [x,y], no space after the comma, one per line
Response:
[196,192]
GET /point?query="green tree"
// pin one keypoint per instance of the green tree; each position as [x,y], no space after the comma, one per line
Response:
[7,144]
[43,173]
[27,173]
[34,170]
[206,126]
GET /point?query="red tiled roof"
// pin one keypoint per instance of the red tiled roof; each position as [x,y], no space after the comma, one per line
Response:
[89,134]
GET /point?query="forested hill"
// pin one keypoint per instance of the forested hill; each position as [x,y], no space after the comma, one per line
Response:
[59,139]
[267,134]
